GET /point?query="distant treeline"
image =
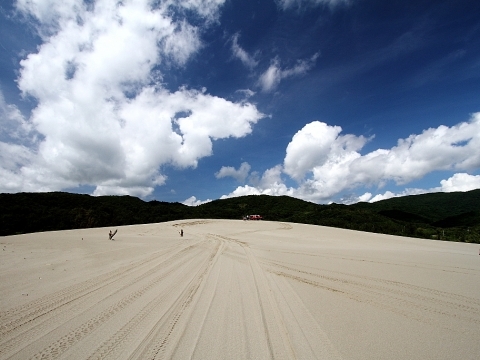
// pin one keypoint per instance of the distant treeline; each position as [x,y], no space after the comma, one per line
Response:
[442,216]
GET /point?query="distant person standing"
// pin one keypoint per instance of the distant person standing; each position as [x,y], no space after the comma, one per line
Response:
[181,233]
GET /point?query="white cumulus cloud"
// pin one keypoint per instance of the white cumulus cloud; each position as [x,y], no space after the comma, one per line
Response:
[103,117]
[193,201]
[317,144]
[334,162]
[460,182]
[325,163]
[270,183]
[409,191]
[229,171]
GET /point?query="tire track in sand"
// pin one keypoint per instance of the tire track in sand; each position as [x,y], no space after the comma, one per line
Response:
[161,341]
[39,325]
[218,314]
[63,344]
[309,340]
[123,339]
[279,341]
[419,303]
[19,316]
[291,330]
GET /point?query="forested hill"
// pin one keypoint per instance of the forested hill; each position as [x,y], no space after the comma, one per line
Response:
[434,207]
[445,216]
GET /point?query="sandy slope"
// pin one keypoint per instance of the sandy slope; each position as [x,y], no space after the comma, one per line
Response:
[237,290]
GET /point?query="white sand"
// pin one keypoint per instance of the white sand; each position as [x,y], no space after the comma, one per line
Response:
[237,290]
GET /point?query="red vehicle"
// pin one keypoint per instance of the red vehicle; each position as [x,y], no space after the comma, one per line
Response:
[254,217]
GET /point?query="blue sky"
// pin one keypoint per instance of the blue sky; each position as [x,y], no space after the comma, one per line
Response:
[194,100]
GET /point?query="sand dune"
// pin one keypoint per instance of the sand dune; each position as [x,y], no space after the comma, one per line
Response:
[237,290]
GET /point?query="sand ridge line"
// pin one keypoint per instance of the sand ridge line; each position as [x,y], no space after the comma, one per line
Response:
[84,306]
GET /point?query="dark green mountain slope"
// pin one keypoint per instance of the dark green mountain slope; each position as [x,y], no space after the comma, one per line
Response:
[468,219]
[278,208]
[452,216]
[32,212]
[433,207]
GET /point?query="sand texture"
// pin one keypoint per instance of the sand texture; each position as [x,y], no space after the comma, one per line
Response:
[237,290]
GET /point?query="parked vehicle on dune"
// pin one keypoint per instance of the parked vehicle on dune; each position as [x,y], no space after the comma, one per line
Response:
[254,217]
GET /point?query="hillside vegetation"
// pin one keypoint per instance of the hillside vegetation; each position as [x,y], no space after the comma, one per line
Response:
[443,216]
